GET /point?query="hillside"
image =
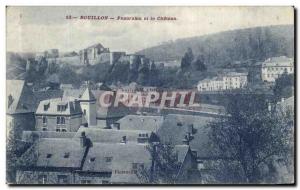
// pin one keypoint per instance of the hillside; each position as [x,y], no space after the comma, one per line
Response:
[225,47]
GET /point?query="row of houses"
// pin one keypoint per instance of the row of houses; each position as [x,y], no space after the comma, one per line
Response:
[267,71]
[73,140]
[232,80]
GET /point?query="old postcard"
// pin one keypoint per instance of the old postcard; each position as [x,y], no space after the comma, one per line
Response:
[150,95]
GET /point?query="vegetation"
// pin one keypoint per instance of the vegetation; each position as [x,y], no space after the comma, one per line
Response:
[284,86]
[221,48]
[253,140]
[164,168]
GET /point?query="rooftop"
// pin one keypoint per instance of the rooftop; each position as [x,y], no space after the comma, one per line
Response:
[141,122]
[176,126]
[19,97]
[281,61]
[50,106]
[110,135]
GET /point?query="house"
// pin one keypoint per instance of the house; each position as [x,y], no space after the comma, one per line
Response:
[274,67]
[193,131]
[83,161]
[51,161]
[234,80]
[20,107]
[59,114]
[104,116]
[228,81]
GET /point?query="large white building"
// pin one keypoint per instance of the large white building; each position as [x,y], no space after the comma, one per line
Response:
[232,80]
[273,67]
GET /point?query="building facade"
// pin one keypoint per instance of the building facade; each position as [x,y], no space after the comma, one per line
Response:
[229,81]
[274,67]
[59,114]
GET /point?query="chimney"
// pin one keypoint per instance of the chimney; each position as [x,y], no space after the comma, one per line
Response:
[83,140]
[124,140]
[190,128]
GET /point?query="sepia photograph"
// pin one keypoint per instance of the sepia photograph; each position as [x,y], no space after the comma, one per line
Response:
[150,95]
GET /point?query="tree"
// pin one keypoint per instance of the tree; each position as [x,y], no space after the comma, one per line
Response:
[187,59]
[164,168]
[252,137]
[68,76]
[119,72]
[199,64]
[154,75]
[143,74]
[284,86]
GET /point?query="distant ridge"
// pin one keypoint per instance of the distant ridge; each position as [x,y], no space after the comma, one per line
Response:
[221,48]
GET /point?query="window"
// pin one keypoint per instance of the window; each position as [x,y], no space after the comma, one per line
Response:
[105,182]
[42,179]
[108,159]
[60,120]
[179,124]
[84,112]
[44,120]
[135,166]
[67,155]
[61,127]
[85,181]
[49,156]
[62,179]
[62,107]
[46,106]
[92,159]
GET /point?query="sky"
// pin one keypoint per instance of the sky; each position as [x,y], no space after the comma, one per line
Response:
[35,29]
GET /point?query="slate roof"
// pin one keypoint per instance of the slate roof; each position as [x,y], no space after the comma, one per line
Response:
[141,122]
[97,134]
[175,127]
[278,61]
[49,94]
[73,107]
[122,157]
[19,97]
[27,135]
[116,158]
[51,152]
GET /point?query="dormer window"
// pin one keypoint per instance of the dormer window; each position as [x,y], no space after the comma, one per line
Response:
[46,106]
[179,124]
[92,159]
[67,155]
[108,159]
[10,100]
[62,107]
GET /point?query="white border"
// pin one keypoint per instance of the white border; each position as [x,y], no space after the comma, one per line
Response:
[114,3]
